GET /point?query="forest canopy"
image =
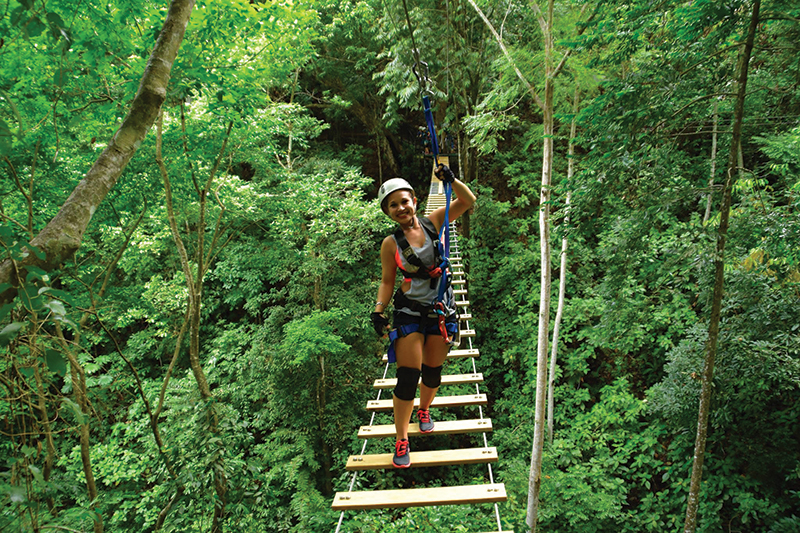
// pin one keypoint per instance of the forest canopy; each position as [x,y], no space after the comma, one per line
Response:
[191,250]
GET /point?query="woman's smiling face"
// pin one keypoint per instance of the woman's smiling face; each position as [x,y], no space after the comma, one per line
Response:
[401,206]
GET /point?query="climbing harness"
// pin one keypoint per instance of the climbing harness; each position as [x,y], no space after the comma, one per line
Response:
[450,329]
[416,268]
[437,272]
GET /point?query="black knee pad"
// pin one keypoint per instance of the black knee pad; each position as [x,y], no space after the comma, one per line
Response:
[407,379]
[431,376]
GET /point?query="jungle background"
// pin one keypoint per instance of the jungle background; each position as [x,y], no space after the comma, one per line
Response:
[200,357]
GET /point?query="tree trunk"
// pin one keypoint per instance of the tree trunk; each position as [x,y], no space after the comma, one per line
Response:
[327,466]
[78,376]
[194,284]
[562,277]
[713,165]
[551,72]
[534,477]
[63,234]
[719,279]
[48,432]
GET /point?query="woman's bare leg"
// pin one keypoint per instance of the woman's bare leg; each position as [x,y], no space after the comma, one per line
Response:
[433,355]
[408,350]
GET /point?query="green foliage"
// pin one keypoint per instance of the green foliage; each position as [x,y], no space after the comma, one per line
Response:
[320,99]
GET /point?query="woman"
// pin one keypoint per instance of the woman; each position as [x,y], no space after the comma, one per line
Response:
[418,344]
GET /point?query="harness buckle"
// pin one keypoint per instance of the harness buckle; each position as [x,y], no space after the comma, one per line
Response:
[440,310]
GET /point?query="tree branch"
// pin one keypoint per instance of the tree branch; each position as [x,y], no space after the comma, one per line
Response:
[63,234]
[499,39]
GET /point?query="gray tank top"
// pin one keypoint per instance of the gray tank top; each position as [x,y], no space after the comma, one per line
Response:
[421,290]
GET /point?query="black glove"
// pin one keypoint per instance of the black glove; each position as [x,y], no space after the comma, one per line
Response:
[444,173]
[380,323]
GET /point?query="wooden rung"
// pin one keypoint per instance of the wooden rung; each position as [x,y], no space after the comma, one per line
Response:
[465,303]
[462,456]
[452,354]
[459,292]
[459,400]
[452,379]
[443,427]
[469,352]
[467,333]
[465,316]
[459,282]
[381,499]
[504,531]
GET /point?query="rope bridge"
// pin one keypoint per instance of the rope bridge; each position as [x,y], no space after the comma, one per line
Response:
[486,493]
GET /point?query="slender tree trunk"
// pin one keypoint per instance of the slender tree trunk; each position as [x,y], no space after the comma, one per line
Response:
[562,277]
[719,279]
[322,396]
[327,466]
[78,376]
[551,72]
[63,234]
[194,283]
[291,124]
[49,443]
[713,165]
[534,477]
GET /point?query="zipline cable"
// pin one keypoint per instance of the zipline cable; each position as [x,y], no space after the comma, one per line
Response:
[414,49]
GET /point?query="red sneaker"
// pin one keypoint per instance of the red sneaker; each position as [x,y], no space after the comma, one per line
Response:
[425,422]
[401,458]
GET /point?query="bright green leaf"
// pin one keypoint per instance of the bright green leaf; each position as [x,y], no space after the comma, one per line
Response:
[55,362]
[35,27]
[9,332]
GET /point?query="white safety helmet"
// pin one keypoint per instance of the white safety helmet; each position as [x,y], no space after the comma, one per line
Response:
[390,186]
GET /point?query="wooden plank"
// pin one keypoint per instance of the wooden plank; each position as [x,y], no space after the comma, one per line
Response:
[462,456]
[459,400]
[450,379]
[381,499]
[470,352]
[467,333]
[443,427]
[452,354]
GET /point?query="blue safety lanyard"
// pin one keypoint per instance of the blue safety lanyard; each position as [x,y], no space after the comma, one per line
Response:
[444,233]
